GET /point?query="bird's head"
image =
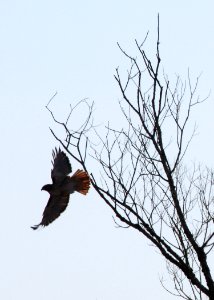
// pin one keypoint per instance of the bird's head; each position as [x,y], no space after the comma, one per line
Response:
[47,188]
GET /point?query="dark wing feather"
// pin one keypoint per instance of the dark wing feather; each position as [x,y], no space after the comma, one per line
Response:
[56,205]
[61,166]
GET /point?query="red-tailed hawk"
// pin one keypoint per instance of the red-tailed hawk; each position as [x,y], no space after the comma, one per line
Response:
[62,186]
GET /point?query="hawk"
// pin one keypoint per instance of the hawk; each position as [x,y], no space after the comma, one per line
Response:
[62,186]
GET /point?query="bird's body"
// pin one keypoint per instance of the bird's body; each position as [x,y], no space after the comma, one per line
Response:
[62,186]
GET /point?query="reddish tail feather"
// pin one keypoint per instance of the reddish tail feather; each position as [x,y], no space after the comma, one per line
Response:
[82,181]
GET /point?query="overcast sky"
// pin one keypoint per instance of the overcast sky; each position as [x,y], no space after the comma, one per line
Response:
[71,47]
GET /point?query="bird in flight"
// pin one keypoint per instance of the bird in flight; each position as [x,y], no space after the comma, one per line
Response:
[62,186]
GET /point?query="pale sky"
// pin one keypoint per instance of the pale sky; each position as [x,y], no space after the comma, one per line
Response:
[71,47]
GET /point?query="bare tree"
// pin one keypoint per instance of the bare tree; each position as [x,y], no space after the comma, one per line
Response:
[142,176]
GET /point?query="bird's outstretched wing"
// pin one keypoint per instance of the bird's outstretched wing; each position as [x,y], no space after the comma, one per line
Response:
[56,205]
[61,166]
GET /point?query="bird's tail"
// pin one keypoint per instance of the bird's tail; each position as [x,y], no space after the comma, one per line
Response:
[82,181]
